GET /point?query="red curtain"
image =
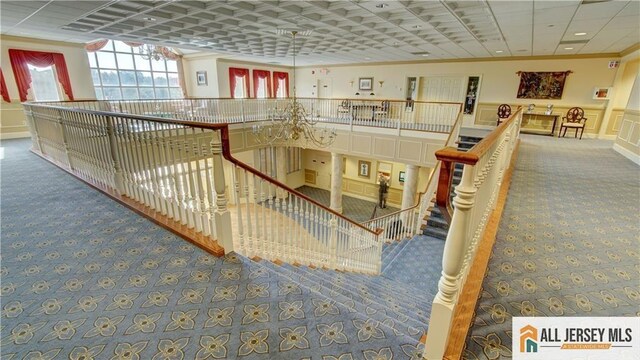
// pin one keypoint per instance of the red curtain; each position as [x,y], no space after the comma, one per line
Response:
[235,73]
[20,59]
[3,88]
[261,74]
[277,76]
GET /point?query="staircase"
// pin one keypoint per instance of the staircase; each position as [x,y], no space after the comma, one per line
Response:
[375,299]
[434,224]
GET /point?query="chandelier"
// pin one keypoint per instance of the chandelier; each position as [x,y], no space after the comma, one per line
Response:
[291,125]
[153,52]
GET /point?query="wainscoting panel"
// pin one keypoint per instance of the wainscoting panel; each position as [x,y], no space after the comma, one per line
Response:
[384,147]
[310,176]
[361,144]
[615,121]
[409,150]
[13,119]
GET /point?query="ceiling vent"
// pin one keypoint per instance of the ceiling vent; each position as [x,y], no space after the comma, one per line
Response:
[589,2]
[421,53]
[287,31]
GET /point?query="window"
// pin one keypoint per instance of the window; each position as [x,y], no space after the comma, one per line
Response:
[44,83]
[294,159]
[261,84]
[239,83]
[281,84]
[120,72]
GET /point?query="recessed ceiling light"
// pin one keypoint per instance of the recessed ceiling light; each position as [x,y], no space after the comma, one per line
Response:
[580,34]
[498,51]
[568,48]
[417,26]
[367,58]
[382,6]
[149,18]
[425,54]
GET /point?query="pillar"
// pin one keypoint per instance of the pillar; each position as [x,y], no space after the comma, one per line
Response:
[410,186]
[336,182]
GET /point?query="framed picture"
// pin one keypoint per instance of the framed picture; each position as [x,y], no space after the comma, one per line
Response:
[602,93]
[401,176]
[365,83]
[541,85]
[201,77]
[364,168]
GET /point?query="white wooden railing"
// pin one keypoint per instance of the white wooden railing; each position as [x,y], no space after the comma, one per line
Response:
[407,222]
[476,195]
[394,114]
[176,168]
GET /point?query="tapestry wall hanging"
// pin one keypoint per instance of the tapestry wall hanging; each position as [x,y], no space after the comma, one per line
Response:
[541,85]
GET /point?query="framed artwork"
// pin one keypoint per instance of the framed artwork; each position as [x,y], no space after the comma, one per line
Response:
[364,168]
[541,85]
[602,93]
[201,78]
[365,84]
[401,176]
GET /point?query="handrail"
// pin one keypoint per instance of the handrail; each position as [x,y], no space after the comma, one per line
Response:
[376,222]
[450,155]
[226,150]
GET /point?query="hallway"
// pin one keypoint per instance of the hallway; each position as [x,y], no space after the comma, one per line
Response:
[568,243]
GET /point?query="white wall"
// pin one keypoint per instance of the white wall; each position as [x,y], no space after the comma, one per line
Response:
[13,120]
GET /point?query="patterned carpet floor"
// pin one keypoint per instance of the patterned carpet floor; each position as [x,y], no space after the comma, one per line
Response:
[355,209]
[84,277]
[568,243]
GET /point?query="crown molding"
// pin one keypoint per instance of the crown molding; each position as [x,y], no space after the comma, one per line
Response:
[255,64]
[630,49]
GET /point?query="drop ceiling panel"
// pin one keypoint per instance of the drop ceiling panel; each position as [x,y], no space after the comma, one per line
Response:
[342,31]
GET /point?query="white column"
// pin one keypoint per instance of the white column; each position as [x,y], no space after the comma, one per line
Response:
[281,169]
[410,186]
[336,182]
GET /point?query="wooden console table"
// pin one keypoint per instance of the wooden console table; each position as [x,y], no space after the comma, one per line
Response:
[542,117]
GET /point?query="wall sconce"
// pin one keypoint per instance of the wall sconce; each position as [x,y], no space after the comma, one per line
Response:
[372,94]
[381,82]
[357,93]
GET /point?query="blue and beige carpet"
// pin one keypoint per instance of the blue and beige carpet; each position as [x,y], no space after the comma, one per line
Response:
[568,243]
[85,278]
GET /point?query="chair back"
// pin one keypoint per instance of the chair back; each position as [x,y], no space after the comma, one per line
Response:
[346,103]
[575,115]
[385,105]
[504,111]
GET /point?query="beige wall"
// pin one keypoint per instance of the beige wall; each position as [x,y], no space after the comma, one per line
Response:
[628,139]
[223,74]
[499,80]
[317,165]
[625,77]
[13,121]
[192,64]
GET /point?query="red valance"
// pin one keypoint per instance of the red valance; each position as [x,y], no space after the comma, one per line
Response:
[261,74]
[21,58]
[277,76]
[234,74]
[3,88]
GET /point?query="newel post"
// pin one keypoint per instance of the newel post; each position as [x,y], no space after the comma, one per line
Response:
[448,287]
[222,215]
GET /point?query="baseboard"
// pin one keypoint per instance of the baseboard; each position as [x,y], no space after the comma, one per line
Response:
[607,137]
[627,153]
[14,135]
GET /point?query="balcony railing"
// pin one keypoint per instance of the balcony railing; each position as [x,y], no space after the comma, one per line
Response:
[393,114]
[175,169]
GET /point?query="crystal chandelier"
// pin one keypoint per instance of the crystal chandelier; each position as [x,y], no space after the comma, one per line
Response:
[291,125]
[153,52]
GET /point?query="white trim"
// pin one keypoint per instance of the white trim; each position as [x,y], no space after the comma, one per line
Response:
[15,135]
[627,153]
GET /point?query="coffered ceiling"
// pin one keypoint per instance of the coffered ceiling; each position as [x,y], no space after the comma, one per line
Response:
[340,31]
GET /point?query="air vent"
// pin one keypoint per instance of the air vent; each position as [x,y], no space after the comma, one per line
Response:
[589,2]
[573,42]
[422,53]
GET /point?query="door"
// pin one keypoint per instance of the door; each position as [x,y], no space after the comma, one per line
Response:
[441,89]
